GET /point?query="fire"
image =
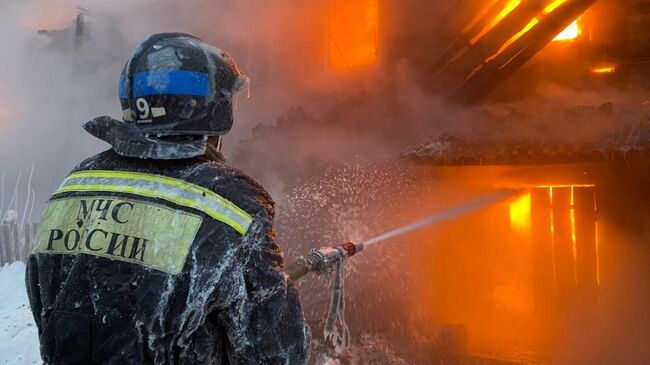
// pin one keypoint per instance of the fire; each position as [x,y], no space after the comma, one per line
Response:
[353,33]
[571,32]
[574,242]
[510,6]
[520,218]
[552,6]
[604,70]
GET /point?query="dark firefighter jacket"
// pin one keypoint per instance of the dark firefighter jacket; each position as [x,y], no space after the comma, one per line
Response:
[162,262]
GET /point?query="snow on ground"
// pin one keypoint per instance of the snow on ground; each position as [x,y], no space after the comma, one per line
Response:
[18,334]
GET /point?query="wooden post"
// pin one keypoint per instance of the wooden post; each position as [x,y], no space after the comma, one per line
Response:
[7,243]
[3,244]
[563,244]
[543,275]
[585,211]
[15,238]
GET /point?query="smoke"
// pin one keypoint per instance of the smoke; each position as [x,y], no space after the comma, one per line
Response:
[52,81]
[48,88]
[320,141]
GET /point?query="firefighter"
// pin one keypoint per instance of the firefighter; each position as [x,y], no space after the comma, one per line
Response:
[156,251]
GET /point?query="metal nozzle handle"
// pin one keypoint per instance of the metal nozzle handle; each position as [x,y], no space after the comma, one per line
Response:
[321,261]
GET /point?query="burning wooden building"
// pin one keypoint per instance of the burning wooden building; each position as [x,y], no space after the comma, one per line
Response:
[466,50]
[555,274]
[559,268]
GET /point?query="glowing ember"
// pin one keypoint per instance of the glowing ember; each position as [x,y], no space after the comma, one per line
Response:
[353,29]
[604,70]
[570,33]
[520,214]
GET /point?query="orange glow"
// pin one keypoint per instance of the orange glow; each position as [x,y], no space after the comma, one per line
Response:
[515,298]
[510,6]
[514,38]
[552,6]
[55,15]
[572,216]
[353,31]
[570,33]
[574,244]
[565,186]
[604,70]
[597,256]
[550,194]
[479,16]
[520,219]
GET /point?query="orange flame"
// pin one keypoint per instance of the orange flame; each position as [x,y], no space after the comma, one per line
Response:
[510,6]
[604,70]
[571,32]
[520,218]
[353,30]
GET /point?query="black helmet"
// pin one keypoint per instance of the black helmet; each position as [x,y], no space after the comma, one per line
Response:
[173,84]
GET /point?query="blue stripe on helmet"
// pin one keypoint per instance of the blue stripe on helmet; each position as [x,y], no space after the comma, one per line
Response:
[167,83]
[123,93]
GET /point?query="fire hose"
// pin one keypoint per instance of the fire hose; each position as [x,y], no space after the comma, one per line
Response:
[322,261]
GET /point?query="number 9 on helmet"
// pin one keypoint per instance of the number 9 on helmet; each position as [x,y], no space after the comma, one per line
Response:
[174,84]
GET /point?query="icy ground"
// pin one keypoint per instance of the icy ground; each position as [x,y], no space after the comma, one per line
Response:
[18,337]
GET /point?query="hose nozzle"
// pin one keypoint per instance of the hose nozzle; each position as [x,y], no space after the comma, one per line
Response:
[321,260]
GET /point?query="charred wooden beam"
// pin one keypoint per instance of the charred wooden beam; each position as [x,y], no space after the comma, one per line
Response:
[463,65]
[470,28]
[500,66]
[464,11]
[563,244]
[586,255]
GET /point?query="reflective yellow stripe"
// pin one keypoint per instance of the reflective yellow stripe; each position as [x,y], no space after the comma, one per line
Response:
[177,183]
[173,190]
